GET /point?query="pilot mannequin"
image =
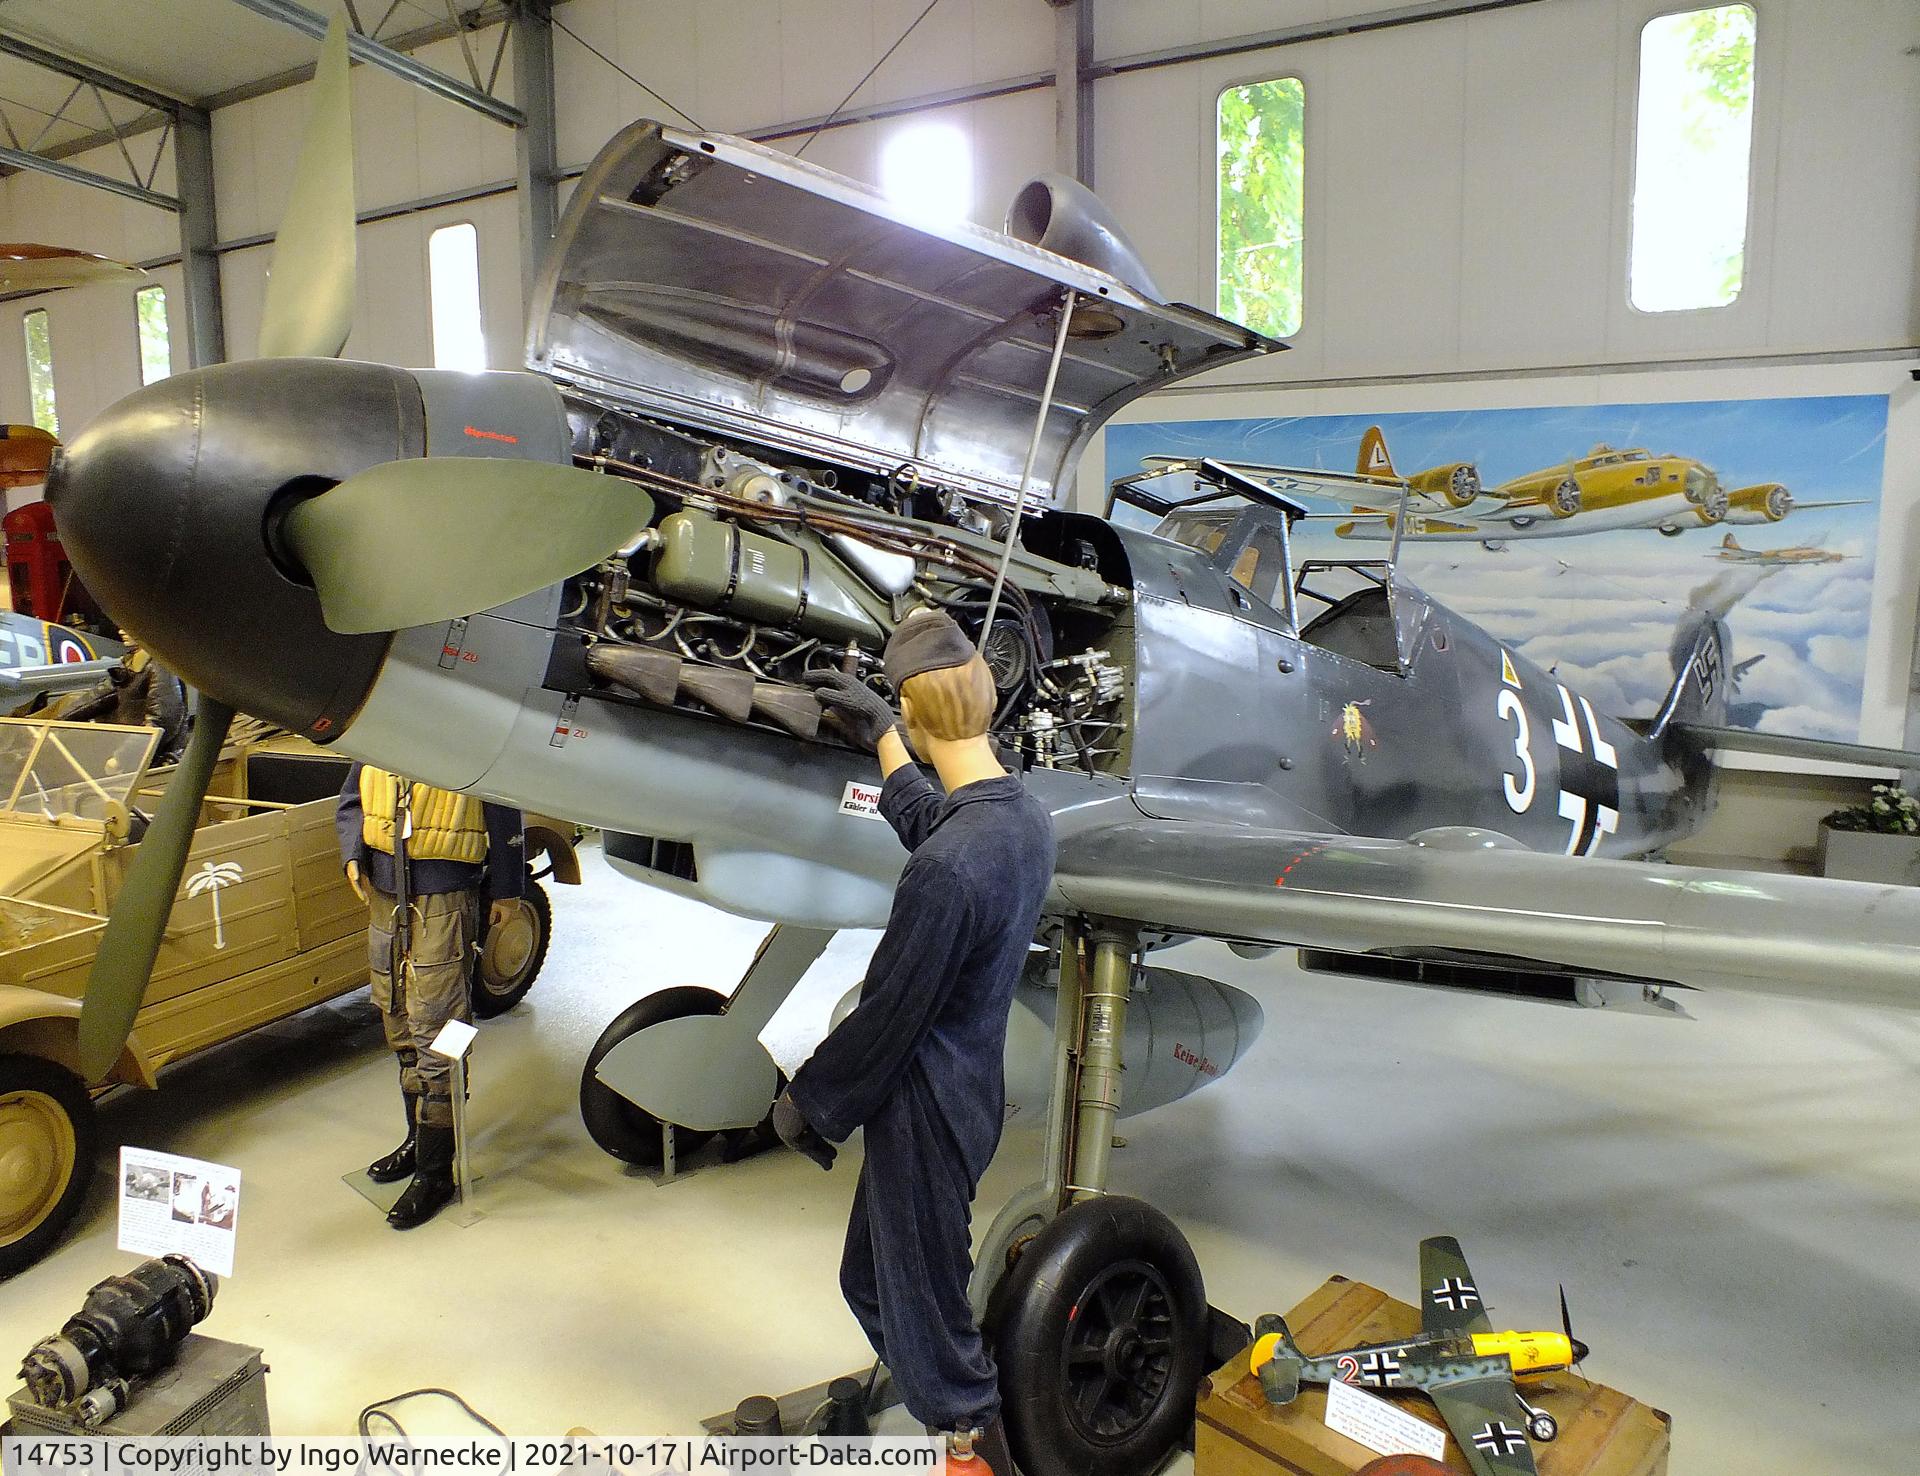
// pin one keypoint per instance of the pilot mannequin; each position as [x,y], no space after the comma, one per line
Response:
[456,849]
[918,1063]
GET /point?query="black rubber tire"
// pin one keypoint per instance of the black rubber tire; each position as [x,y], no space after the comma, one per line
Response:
[489,1001]
[1543,1427]
[68,1094]
[630,1133]
[1117,1275]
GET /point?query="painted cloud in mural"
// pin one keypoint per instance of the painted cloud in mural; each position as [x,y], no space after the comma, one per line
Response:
[1600,607]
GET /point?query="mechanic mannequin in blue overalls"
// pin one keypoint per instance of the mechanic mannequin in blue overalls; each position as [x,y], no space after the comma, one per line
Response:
[919,1062]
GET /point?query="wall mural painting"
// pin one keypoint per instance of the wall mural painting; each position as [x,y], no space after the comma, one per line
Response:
[1580,533]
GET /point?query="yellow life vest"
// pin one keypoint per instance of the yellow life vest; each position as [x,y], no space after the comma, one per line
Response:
[446,826]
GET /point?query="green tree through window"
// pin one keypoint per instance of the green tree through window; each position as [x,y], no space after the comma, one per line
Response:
[1261,139]
[1692,149]
[40,370]
[150,321]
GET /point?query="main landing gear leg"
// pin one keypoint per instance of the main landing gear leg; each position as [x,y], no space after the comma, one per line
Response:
[1093,1303]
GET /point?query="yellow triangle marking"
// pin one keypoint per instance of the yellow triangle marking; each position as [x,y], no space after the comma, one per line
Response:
[1507,673]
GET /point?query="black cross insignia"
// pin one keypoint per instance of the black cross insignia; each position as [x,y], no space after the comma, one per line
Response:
[1382,1370]
[1499,1438]
[1589,776]
[1455,1294]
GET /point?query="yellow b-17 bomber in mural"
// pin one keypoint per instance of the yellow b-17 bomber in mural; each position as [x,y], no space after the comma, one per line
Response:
[1607,490]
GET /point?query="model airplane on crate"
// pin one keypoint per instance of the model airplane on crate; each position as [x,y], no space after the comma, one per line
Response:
[1457,1360]
[765,413]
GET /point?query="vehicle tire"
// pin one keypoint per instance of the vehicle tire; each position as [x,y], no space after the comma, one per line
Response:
[512,962]
[46,1156]
[632,1134]
[1543,1427]
[1100,1330]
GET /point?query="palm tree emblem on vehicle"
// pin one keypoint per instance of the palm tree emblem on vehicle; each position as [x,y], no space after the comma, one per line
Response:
[212,877]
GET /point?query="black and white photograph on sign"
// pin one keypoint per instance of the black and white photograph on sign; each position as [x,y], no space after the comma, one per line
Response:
[172,1204]
[186,1197]
[219,1198]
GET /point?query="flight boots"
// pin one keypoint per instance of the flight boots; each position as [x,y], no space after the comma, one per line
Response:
[432,1186]
[398,1164]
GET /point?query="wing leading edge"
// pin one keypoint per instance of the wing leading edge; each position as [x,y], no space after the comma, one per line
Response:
[1797,936]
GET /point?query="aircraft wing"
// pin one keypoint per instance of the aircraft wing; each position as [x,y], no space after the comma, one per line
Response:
[1449,1296]
[1485,1418]
[18,683]
[1378,496]
[1797,936]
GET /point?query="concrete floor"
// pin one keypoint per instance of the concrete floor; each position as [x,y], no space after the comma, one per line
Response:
[1731,1202]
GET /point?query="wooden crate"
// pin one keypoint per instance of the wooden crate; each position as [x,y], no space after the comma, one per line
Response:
[1602,1431]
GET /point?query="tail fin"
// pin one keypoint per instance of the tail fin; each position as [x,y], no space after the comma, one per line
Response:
[1275,1360]
[1701,683]
[1730,542]
[1374,460]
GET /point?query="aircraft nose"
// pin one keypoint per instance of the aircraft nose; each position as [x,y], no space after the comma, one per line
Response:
[163,505]
[1580,1350]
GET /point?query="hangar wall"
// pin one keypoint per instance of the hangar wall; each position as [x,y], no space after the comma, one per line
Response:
[1468,185]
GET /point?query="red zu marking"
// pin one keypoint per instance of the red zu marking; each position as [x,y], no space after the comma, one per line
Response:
[1188,1058]
[490,435]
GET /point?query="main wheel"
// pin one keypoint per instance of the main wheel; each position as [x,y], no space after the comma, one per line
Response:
[511,960]
[46,1156]
[1100,1330]
[632,1134]
[1542,1426]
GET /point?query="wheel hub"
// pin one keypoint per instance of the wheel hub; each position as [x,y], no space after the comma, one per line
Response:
[1118,1350]
[37,1152]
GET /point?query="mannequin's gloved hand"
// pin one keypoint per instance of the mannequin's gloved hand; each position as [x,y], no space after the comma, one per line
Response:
[797,1135]
[855,708]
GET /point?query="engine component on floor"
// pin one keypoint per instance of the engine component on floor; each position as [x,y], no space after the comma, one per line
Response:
[717,565]
[128,1328]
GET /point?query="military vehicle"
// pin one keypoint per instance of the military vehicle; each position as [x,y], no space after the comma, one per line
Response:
[264,926]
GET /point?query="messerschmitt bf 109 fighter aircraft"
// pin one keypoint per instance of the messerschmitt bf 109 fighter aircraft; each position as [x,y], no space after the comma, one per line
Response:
[1457,1360]
[765,414]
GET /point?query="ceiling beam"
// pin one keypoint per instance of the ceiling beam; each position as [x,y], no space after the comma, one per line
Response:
[73,174]
[66,66]
[311,23]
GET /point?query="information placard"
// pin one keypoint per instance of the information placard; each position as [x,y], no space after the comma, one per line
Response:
[170,1204]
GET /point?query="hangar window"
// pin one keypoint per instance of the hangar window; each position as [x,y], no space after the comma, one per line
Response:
[453,286]
[1693,143]
[150,321]
[40,370]
[1261,138]
[928,169]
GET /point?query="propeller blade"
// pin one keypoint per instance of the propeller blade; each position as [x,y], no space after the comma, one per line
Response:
[415,542]
[1566,1318]
[309,308]
[124,964]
